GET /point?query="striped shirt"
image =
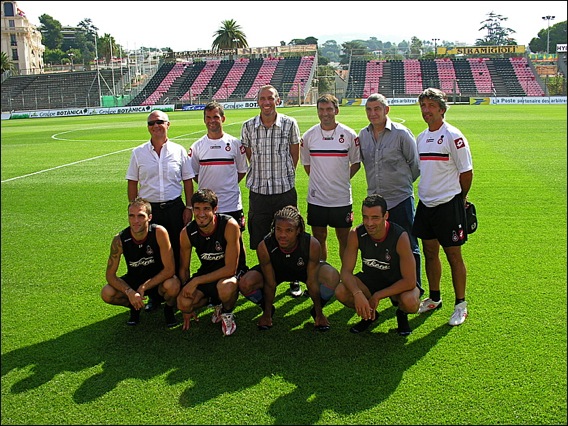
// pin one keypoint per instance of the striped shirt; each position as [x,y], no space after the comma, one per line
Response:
[271,167]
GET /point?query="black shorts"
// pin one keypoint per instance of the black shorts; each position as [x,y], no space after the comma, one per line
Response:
[336,217]
[261,213]
[445,223]
[281,277]
[209,290]
[152,293]
[239,216]
[375,285]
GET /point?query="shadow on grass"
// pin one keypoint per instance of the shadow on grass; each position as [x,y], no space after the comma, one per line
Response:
[335,370]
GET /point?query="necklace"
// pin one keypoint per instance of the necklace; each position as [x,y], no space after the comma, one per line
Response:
[328,138]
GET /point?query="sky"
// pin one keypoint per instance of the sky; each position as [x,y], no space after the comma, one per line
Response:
[191,25]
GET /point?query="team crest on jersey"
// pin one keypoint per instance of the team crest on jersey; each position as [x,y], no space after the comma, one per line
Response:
[189,152]
[302,142]
[300,262]
[243,149]
[218,246]
[227,147]
[357,141]
[387,256]
[441,140]
[341,138]
[459,143]
[149,251]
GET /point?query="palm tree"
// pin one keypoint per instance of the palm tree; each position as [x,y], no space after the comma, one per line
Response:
[5,63]
[230,36]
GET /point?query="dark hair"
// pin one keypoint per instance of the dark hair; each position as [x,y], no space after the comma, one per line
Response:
[211,106]
[204,196]
[375,200]
[290,213]
[436,95]
[328,97]
[139,201]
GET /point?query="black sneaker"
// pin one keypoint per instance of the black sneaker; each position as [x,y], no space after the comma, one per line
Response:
[362,325]
[134,318]
[169,313]
[403,325]
[295,289]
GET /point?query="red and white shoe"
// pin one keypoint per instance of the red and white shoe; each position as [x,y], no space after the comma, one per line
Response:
[428,305]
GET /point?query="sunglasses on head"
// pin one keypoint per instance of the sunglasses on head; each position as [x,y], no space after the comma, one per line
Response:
[151,123]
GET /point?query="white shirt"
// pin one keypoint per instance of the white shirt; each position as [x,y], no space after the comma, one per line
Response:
[217,163]
[444,154]
[159,177]
[330,153]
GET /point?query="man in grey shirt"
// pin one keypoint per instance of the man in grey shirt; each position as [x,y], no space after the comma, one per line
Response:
[391,162]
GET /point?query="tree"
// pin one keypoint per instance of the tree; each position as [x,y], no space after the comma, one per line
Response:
[326,79]
[107,47]
[415,47]
[85,40]
[355,47]
[52,37]
[5,63]
[497,35]
[229,37]
[53,56]
[557,36]
[330,50]
[311,40]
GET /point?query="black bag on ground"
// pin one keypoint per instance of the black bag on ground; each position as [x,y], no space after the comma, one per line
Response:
[470,217]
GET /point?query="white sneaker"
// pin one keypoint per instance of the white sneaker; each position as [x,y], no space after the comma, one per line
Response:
[428,304]
[460,314]
[216,317]
[229,325]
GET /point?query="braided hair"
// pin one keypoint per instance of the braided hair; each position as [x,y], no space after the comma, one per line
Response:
[290,213]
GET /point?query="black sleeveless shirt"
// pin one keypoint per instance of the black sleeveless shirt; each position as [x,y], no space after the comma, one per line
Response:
[211,248]
[143,259]
[289,266]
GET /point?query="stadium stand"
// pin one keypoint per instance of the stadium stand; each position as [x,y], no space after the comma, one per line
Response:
[241,78]
[263,76]
[504,68]
[152,85]
[374,72]
[180,89]
[447,75]
[303,76]
[429,74]
[415,73]
[78,89]
[526,76]
[357,77]
[481,76]
[204,77]
[156,96]
[232,79]
[285,74]
[398,78]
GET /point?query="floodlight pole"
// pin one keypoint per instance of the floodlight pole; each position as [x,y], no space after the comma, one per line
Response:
[435,40]
[548,18]
[98,72]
